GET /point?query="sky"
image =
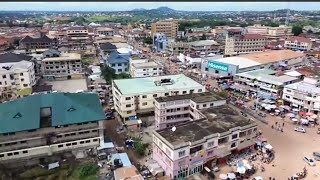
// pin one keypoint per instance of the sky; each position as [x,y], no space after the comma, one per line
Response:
[190,6]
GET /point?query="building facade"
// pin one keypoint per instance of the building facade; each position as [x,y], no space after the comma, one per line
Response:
[118,62]
[204,142]
[147,69]
[66,66]
[15,77]
[298,43]
[30,43]
[160,42]
[270,32]
[77,37]
[167,27]
[105,31]
[238,43]
[140,96]
[303,95]
[55,123]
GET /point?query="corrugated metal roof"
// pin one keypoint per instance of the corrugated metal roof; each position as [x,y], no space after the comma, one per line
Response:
[24,114]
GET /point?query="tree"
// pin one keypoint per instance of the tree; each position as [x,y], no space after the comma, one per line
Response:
[147,40]
[296,30]
[88,169]
[223,94]
[108,73]
[139,147]
[123,76]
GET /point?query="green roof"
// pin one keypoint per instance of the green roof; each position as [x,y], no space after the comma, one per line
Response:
[67,108]
[147,85]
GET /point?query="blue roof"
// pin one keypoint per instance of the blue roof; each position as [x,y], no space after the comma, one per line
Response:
[66,108]
[115,58]
[123,157]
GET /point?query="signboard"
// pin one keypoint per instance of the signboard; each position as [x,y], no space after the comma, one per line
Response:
[218,66]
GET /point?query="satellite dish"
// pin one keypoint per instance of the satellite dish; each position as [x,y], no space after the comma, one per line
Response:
[173,129]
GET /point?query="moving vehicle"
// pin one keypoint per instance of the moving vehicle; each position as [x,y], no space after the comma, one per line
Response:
[309,161]
[300,129]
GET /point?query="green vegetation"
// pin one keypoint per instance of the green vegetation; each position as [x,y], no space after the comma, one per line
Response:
[88,60]
[109,74]
[223,94]
[147,40]
[82,171]
[296,30]
[139,147]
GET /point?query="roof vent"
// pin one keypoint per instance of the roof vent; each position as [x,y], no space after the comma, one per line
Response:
[71,109]
[18,115]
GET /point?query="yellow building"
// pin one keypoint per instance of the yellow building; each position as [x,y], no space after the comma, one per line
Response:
[168,27]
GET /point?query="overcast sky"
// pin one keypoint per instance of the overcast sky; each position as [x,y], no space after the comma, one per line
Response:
[192,6]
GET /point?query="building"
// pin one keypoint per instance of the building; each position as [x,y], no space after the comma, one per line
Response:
[303,95]
[173,110]
[5,44]
[77,37]
[265,82]
[16,79]
[127,173]
[213,135]
[298,43]
[238,43]
[145,69]
[204,47]
[230,66]
[168,27]
[139,97]
[175,48]
[160,42]
[54,123]
[30,43]
[270,32]
[107,48]
[119,62]
[105,31]
[65,66]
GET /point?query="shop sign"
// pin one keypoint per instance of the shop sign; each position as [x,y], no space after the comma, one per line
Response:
[218,66]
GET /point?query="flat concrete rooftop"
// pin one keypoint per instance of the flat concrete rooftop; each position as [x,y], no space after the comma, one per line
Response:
[218,120]
[198,97]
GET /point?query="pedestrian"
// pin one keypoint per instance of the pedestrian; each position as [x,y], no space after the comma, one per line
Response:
[282,124]
[272,126]
[276,123]
[274,179]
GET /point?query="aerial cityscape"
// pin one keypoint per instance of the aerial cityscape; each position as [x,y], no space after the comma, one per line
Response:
[159,90]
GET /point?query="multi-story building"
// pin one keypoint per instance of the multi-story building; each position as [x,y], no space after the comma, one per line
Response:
[238,43]
[145,69]
[15,77]
[119,62]
[160,42]
[298,43]
[209,139]
[175,48]
[270,32]
[139,97]
[204,47]
[168,27]
[78,37]
[173,110]
[45,124]
[65,66]
[105,31]
[30,43]
[303,95]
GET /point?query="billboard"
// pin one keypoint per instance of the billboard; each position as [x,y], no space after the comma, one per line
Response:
[218,66]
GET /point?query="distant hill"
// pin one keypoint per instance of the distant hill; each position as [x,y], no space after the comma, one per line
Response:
[164,9]
[139,9]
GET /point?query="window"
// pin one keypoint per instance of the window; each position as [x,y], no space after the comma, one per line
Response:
[128,98]
[15,153]
[211,104]
[4,76]
[22,79]
[74,143]
[87,141]
[72,134]
[60,145]
[184,92]
[129,112]
[210,144]
[25,85]
[210,153]
[182,153]
[119,64]
[144,104]
[233,145]
[9,154]
[234,136]
[144,96]
[81,142]
[68,144]
[155,95]
[199,90]
[113,65]
[204,105]
[128,105]
[95,140]
[22,142]
[288,90]
[166,94]
[1,155]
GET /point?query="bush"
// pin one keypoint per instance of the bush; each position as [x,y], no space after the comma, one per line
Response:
[88,169]
[139,147]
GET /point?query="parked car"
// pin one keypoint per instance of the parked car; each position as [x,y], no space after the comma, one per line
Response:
[262,114]
[300,129]
[257,178]
[309,161]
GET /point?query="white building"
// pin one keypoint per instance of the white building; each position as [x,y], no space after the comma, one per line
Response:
[304,95]
[298,43]
[15,77]
[147,69]
[134,96]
